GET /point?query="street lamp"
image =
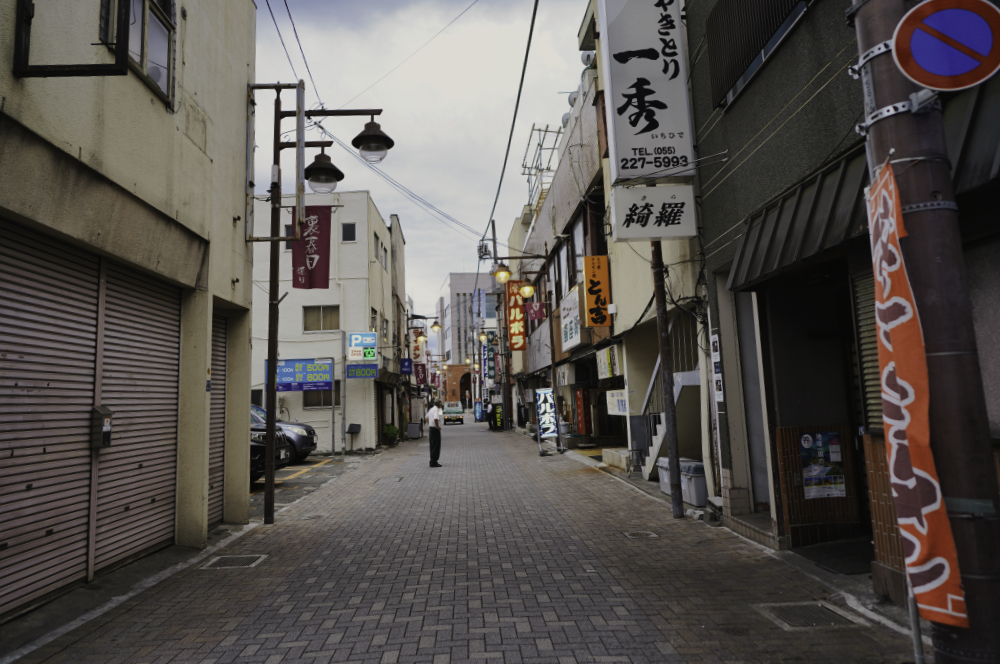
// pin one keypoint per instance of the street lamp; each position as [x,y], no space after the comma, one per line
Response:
[322,175]
[468,360]
[482,336]
[527,290]
[475,366]
[502,273]
[422,338]
[372,143]
[435,326]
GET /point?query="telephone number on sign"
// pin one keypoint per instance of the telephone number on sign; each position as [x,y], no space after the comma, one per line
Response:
[656,162]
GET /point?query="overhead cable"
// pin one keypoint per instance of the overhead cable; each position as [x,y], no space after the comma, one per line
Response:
[281,39]
[409,56]
[304,59]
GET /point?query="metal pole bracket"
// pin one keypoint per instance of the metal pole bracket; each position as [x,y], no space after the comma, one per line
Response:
[913,105]
[877,49]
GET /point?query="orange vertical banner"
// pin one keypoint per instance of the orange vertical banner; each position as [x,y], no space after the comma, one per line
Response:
[928,545]
[517,333]
[598,286]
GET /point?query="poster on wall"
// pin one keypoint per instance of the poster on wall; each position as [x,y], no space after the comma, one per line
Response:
[569,320]
[546,404]
[607,362]
[617,402]
[598,285]
[822,465]
[644,63]
[653,213]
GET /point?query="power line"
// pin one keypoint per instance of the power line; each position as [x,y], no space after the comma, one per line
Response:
[296,32]
[517,104]
[410,55]
[282,39]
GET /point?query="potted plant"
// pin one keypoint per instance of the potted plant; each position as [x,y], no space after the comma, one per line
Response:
[390,434]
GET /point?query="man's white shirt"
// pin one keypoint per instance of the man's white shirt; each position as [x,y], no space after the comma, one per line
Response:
[435,414]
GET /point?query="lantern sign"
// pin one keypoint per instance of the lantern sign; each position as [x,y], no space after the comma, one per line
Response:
[595,276]
[546,402]
[517,332]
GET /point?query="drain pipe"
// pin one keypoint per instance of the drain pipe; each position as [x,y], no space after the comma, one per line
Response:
[918,644]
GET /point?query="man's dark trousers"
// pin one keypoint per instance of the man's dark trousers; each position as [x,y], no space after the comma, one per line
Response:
[435,445]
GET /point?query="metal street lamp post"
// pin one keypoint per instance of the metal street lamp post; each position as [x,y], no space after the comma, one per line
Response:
[323,177]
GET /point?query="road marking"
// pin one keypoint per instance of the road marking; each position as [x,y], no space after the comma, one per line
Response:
[293,476]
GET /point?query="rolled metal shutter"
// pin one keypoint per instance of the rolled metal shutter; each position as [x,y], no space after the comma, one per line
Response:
[217,422]
[138,473]
[864,312]
[48,340]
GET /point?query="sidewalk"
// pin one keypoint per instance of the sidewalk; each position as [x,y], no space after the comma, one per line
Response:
[501,555]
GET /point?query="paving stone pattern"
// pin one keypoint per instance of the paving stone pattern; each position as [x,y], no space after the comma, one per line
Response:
[499,556]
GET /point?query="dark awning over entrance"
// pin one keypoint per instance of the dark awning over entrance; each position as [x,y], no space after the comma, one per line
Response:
[821,212]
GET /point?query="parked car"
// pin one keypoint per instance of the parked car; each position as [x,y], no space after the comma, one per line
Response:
[453,412]
[258,447]
[301,437]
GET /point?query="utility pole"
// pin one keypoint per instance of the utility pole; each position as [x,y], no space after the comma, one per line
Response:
[504,347]
[667,376]
[932,250]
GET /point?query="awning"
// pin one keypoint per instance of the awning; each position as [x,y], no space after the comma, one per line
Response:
[828,208]
[821,212]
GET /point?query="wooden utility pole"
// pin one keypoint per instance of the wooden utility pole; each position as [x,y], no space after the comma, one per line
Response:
[667,376]
[932,249]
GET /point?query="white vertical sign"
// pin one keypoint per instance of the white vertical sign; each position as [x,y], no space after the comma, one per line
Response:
[644,63]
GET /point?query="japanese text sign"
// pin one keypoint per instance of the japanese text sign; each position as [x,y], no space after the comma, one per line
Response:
[653,213]
[420,373]
[596,280]
[617,402]
[546,402]
[362,371]
[928,545]
[517,332]
[406,366]
[569,320]
[311,254]
[646,90]
[302,375]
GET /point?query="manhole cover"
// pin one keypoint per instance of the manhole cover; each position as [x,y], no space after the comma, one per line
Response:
[640,534]
[808,615]
[229,562]
[388,480]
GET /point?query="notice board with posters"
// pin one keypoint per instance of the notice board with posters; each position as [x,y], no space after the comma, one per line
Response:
[822,465]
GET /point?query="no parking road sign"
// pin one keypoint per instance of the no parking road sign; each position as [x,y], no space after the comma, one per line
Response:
[948,44]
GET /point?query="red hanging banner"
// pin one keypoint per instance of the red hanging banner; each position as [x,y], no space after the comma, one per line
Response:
[928,546]
[311,254]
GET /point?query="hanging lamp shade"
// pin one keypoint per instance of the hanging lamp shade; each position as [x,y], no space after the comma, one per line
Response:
[322,175]
[372,143]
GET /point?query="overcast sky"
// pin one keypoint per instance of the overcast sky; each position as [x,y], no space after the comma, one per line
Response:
[448,108]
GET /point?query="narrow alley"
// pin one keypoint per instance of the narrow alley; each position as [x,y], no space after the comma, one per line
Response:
[500,555]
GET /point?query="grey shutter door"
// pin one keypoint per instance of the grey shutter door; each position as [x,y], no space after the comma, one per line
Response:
[138,473]
[217,423]
[864,303]
[48,338]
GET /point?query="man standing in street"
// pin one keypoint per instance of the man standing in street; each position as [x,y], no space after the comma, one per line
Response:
[435,418]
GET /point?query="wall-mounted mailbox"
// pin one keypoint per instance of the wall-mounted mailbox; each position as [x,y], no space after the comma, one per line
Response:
[353,428]
[100,427]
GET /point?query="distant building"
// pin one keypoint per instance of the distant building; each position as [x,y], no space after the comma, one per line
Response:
[366,284]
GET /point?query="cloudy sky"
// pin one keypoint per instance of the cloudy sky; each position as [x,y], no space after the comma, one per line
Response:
[448,108]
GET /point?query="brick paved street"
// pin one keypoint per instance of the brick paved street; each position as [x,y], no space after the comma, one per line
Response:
[499,556]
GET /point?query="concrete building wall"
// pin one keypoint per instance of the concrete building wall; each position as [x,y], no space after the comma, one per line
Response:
[110,166]
[358,283]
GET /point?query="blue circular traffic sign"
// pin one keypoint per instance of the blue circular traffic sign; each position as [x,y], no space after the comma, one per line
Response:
[948,44]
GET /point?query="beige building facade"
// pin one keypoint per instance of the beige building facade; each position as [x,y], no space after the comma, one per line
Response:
[125,284]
